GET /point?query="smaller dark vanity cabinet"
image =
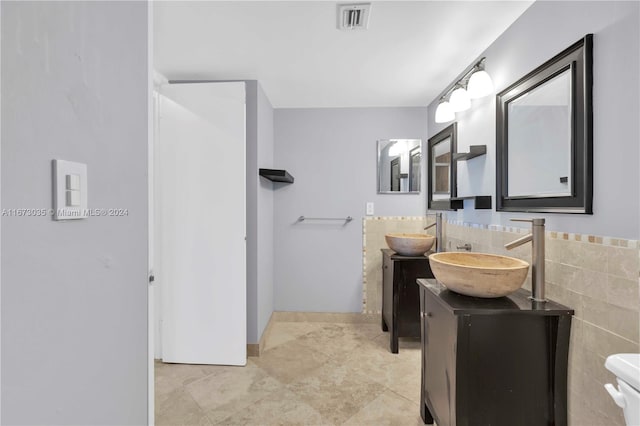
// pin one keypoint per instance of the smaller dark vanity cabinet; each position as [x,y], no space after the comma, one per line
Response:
[401,295]
[498,362]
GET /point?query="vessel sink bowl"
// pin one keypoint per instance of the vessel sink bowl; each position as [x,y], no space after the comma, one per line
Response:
[479,274]
[410,244]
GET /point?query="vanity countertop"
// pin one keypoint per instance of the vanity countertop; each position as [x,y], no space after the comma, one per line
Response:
[517,302]
[396,256]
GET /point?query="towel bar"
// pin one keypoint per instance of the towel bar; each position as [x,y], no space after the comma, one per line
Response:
[346,219]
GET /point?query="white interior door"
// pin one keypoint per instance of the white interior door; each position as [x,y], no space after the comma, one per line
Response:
[200,222]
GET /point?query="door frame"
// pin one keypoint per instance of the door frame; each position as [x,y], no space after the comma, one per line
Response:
[152,76]
[0,219]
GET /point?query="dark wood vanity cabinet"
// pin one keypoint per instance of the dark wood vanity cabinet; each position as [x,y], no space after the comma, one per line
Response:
[492,362]
[401,295]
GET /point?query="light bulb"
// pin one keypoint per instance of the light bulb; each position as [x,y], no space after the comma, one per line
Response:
[395,149]
[480,84]
[460,100]
[444,113]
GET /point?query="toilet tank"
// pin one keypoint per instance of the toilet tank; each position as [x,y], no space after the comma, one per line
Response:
[626,367]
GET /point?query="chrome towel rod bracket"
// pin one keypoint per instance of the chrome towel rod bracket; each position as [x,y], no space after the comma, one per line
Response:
[346,219]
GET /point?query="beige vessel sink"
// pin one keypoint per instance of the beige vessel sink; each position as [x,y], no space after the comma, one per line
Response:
[479,274]
[410,244]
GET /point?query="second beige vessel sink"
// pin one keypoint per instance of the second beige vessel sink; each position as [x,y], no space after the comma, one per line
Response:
[410,244]
[479,274]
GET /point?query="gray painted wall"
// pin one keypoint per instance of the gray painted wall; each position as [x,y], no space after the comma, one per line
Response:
[259,212]
[265,214]
[252,210]
[545,29]
[332,155]
[74,294]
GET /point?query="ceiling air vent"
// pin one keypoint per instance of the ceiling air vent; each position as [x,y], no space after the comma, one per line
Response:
[353,16]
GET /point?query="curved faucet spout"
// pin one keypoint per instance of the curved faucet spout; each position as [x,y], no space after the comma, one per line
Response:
[438,225]
[519,242]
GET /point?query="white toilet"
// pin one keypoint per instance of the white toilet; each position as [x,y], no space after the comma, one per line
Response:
[626,367]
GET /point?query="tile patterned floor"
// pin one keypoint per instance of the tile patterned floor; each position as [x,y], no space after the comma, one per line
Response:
[309,374]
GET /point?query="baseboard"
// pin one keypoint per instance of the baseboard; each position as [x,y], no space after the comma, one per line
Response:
[255,349]
[337,317]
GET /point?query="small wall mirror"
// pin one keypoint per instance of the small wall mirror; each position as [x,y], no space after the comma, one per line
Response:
[442,169]
[399,166]
[544,136]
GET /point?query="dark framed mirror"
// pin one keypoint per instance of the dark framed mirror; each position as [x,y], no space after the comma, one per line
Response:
[415,164]
[399,164]
[544,136]
[442,169]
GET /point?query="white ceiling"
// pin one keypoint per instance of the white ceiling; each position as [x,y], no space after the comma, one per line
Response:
[410,53]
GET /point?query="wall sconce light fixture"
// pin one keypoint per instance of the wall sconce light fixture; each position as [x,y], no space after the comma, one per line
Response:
[475,83]
[460,100]
[444,112]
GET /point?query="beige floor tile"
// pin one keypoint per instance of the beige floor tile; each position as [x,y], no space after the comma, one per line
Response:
[409,348]
[388,409]
[225,392]
[338,341]
[336,391]
[311,373]
[366,330]
[281,408]
[407,386]
[290,360]
[179,409]
[169,377]
[399,372]
[283,332]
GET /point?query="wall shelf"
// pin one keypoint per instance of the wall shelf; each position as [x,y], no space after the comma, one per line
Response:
[474,151]
[276,175]
[481,202]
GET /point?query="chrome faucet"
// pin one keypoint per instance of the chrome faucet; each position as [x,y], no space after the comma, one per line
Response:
[536,237]
[438,225]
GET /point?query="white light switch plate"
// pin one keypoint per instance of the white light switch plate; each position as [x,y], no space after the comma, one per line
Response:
[69,190]
[73,199]
[369,209]
[73,182]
